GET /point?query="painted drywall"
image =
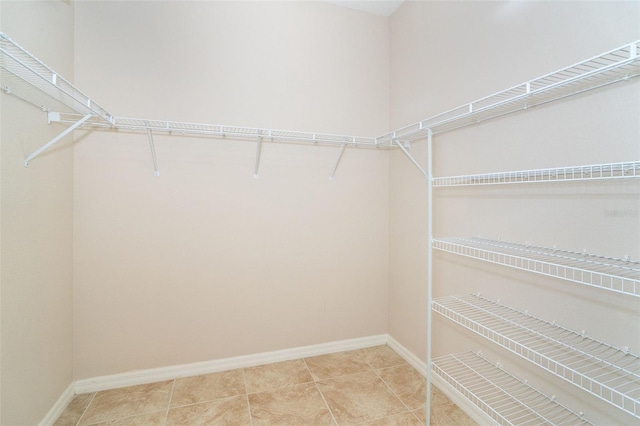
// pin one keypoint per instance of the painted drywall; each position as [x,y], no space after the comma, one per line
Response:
[204,262]
[444,54]
[36,226]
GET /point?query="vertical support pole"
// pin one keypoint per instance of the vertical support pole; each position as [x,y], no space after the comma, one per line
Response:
[258,152]
[56,139]
[156,172]
[335,166]
[429,266]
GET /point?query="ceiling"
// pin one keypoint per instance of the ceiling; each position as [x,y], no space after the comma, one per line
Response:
[377,7]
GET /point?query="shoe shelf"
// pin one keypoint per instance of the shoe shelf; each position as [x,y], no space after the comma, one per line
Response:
[507,399]
[611,374]
[621,170]
[618,275]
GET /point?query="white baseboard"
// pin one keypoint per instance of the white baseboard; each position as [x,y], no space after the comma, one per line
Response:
[461,401]
[57,409]
[175,371]
[456,397]
[408,356]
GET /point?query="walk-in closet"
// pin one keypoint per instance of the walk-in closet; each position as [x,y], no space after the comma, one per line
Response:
[319,212]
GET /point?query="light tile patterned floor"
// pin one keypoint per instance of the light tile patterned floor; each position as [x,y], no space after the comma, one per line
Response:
[372,386]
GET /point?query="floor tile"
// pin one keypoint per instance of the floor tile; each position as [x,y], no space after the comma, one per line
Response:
[229,411]
[421,413]
[338,364]
[277,375]
[292,405]
[407,383]
[445,413]
[120,403]
[74,410]
[151,419]
[402,419]
[359,398]
[208,387]
[382,357]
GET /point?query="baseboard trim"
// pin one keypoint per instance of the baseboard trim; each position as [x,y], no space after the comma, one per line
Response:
[463,402]
[176,371]
[60,405]
[408,356]
[456,397]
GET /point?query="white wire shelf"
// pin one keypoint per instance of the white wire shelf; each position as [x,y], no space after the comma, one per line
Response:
[216,130]
[614,66]
[618,275]
[621,170]
[25,76]
[611,374]
[28,78]
[505,398]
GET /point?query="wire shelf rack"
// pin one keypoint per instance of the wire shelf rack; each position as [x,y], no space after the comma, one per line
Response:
[611,374]
[614,66]
[28,78]
[505,398]
[222,131]
[25,76]
[618,275]
[620,170]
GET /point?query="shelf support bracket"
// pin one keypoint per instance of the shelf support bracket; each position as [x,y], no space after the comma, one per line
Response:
[49,144]
[258,152]
[156,172]
[335,166]
[413,160]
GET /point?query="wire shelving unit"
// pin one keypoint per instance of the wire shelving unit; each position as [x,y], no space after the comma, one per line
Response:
[618,275]
[507,399]
[611,374]
[620,170]
[28,78]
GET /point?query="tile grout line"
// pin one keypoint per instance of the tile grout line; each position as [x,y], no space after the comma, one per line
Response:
[86,408]
[166,416]
[315,383]
[246,395]
[395,394]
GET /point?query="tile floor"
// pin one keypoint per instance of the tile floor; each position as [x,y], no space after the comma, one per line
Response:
[372,386]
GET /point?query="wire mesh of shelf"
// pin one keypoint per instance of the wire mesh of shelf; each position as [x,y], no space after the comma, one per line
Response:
[222,131]
[505,398]
[30,79]
[617,65]
[620,170]
[618,275]
[611,374]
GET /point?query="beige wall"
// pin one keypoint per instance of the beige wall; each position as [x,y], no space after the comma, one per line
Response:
[204,262]
[36,228]
[444,54]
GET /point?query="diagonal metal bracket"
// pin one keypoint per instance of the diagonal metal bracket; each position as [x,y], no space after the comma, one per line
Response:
[335,166]
[413,160]
[258,151]
[49,144]
[156,172]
